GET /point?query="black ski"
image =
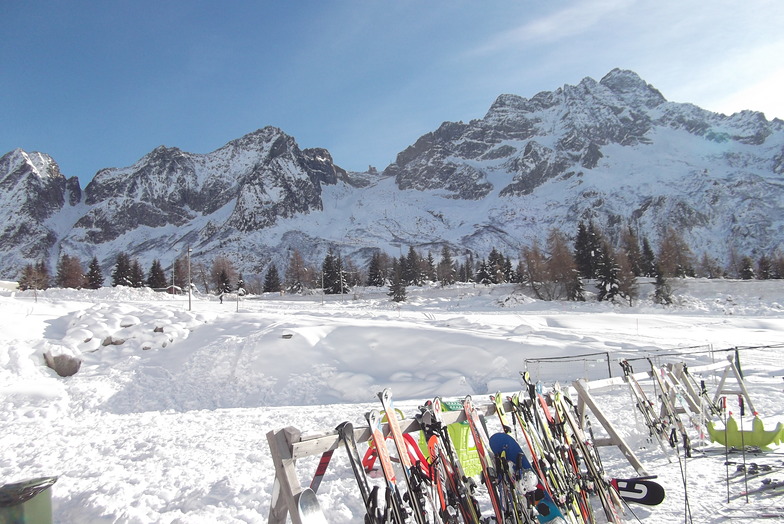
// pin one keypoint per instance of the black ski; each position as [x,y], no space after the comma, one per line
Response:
[375,514]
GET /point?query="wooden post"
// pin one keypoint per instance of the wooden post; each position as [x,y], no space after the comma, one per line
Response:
[615,438]
[287,487]
[731,368]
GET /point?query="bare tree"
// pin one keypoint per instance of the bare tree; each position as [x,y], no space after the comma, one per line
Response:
[675,258]
[535,268]
[222,271]
[627,280]
[70,273]
[296,277]
[561,267]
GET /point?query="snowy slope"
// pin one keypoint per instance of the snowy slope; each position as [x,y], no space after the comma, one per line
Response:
[176,432]
[613,151]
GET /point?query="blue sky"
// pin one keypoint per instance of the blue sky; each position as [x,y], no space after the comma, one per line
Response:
[100,84]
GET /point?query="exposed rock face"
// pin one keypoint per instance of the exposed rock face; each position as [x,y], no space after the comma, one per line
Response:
[613,151]
[33,190]
[577,120]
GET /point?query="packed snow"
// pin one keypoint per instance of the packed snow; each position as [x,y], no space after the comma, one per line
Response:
[166,421]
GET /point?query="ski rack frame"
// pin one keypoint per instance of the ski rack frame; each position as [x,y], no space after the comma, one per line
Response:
[287,445]
[675,377]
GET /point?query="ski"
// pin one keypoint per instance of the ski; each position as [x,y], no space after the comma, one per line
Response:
[310,511]
[394,503]
[656,426]
[321,470]
[369,496]
[551,474]
[411,476]
[488,471]
[607,495]
[459,488]
[504,445]
[767,485]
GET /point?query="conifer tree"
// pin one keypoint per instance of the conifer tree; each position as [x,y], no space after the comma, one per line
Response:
[397,286]
[94,275]
[376,272]
[631,249]
[764,268]
[746,268]
[495,266]
[483,275]
[121,275]
[222,273]
[608,278]
[662,290]
[272,280]
[588,249]
[241,285]
[647,260]
[137,274]
[430,268]
[446,268]
[575,288]
[582,248]
[412,274]
[332,271]
[223,284]
[156,278]
[509,273]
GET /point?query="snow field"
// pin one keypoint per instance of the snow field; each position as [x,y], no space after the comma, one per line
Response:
[177,433]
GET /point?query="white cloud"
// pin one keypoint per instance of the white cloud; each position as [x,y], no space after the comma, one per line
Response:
[555,26]
[763,95]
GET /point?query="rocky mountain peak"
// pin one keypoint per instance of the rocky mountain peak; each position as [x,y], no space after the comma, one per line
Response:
[612,151]
[632,89]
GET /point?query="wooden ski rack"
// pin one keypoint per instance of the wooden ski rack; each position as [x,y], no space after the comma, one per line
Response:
[287,445]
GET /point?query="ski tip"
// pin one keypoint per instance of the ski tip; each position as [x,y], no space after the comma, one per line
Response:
[310,511]
[344,427]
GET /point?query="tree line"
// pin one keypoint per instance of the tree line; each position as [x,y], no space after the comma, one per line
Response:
[556,270]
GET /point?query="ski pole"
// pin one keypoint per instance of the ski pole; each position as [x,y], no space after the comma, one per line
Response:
[743,446]
[726,445]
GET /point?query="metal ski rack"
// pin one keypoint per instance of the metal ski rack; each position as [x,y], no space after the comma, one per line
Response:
[676,375]
[287,445]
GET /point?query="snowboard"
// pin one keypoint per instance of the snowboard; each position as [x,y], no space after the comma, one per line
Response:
[639,490]
[539,498]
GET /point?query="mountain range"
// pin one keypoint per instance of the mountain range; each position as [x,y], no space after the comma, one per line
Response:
[613,151]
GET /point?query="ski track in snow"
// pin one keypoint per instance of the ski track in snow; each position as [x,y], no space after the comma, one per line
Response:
[176,432]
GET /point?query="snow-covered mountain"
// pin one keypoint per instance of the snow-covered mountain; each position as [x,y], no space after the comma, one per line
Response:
[615,151]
